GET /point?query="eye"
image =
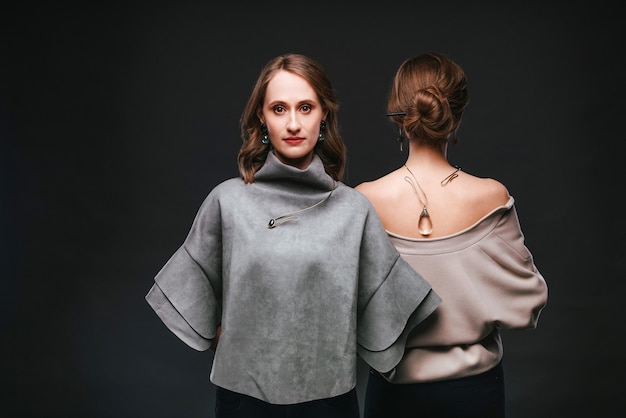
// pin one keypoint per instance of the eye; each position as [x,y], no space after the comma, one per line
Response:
[305,108]
[279,109]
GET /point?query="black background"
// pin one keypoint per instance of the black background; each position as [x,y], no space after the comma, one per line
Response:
[116,120]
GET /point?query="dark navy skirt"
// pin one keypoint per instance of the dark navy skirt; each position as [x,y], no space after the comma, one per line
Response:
[479,396]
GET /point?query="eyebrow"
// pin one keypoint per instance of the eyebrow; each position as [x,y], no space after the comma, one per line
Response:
[301,102]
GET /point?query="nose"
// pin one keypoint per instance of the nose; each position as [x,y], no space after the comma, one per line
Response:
[293,124]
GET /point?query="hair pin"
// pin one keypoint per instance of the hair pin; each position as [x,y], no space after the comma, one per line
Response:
[396,114]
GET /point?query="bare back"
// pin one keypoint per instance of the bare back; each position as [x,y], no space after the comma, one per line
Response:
[452,208]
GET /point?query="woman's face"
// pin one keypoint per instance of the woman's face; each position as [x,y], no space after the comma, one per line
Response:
[292,113]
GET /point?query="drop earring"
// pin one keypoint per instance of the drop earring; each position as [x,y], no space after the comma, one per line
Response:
[321,137]
[400,139]
[266,138]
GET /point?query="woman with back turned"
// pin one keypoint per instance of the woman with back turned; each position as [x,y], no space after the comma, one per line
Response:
[462,233]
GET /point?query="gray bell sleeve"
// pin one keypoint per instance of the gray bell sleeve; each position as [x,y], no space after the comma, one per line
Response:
[393,299]
[187,290]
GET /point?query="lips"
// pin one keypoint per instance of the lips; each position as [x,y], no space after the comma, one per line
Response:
[293,140]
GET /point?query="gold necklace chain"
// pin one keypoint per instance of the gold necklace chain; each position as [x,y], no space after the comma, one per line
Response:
[413,184]
[424,224]
[451,177]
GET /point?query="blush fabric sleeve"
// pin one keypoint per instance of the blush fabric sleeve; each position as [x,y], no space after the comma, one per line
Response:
[515,292]
[393,299]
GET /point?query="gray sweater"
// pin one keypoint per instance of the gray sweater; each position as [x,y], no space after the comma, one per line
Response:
[296,302]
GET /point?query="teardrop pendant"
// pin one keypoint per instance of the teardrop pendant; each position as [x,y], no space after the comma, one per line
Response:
[424,224]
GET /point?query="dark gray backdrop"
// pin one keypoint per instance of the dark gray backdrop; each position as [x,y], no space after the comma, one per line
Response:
[116,120]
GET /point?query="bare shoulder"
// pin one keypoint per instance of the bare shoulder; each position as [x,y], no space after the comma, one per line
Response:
[381,188]
[385,194]
[452,208]
[485,193]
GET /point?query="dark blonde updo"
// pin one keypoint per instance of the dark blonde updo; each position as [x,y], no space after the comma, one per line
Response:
[432,90]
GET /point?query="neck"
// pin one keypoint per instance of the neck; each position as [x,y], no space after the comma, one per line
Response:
[427,158]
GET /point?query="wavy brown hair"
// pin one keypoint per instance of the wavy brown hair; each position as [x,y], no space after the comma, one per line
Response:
[332,151]
[432,90]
